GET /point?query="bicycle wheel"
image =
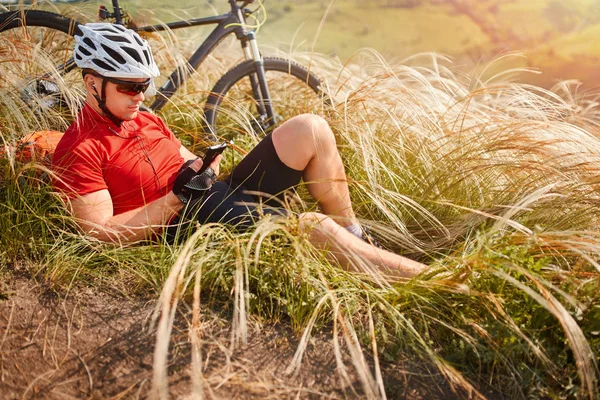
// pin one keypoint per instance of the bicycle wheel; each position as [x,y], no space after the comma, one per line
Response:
[36,50]
[232,108]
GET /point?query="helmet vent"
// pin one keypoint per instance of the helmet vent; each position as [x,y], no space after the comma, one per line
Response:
[113,54]
[134,54]
[84,51]
[103,65]
[107,30]
[115,38]
[89,43]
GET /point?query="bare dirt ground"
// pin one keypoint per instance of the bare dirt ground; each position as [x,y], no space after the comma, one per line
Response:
[86,344]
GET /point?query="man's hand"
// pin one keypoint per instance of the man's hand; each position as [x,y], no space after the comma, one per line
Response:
[189,185]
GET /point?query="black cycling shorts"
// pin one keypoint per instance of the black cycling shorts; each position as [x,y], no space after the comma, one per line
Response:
[255,187]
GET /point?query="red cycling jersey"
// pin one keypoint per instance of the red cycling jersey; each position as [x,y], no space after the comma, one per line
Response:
[137,163]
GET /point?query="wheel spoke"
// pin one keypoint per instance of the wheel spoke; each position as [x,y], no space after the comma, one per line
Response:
[238,110]
[32,57]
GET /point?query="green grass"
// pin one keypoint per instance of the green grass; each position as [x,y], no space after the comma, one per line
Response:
[395,32]
[493,183]
[556,37]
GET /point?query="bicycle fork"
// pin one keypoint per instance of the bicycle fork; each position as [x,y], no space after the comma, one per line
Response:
[258,81]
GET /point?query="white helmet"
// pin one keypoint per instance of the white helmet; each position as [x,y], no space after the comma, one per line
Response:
[114,51]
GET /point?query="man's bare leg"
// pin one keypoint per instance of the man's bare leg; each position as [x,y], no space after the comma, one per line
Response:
[306,143]
[353,253]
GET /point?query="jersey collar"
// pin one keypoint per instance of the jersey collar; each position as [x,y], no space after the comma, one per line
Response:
[127,128]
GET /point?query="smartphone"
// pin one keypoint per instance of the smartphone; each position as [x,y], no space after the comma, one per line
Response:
[211,153]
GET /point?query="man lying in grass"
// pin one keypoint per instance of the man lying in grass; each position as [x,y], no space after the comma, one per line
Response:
[128,177]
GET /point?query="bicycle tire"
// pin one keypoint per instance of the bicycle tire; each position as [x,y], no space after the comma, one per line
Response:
[25,68]
[46,19]
[218,95]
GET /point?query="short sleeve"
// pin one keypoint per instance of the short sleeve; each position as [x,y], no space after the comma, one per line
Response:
[78,169]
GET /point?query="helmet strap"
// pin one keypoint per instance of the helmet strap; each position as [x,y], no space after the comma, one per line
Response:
[101,100]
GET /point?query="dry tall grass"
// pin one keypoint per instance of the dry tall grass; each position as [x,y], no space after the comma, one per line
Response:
[494,184]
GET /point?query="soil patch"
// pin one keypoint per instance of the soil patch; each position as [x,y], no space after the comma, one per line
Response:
[92,344]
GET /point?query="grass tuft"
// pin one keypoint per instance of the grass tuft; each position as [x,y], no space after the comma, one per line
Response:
[492,182]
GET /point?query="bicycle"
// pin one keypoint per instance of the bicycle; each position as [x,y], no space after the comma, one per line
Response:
[249,77]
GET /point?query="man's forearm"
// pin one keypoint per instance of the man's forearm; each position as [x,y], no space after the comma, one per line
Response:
[138,224]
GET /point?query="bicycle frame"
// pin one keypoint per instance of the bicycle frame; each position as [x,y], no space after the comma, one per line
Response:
[232,22]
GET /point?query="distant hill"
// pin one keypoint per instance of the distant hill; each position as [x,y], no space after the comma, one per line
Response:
[559,38]
[562,39]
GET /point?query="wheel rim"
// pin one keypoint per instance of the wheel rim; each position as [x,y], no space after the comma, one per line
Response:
[237,113]
[28,64]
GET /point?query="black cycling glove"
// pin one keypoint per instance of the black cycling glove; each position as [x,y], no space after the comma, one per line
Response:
[189,185]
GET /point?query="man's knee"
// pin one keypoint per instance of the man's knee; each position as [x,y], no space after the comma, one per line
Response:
[314,122]
[318,128]
[301,139]
[308,127]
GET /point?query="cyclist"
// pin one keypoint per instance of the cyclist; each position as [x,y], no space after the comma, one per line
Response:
[127,176]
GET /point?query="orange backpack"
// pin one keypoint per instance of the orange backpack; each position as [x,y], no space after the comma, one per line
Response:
[36,146]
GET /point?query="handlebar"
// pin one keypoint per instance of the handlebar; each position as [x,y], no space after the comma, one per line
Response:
[117,14]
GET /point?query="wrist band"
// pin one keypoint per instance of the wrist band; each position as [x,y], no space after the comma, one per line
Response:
[182,197]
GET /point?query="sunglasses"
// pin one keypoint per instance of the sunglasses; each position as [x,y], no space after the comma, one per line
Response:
[128,87]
